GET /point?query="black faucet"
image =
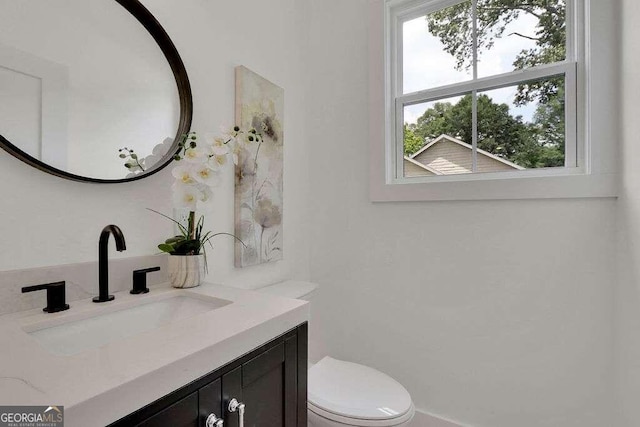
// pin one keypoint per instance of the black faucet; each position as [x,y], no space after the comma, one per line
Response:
[103,260]
[140,280]
[55,296]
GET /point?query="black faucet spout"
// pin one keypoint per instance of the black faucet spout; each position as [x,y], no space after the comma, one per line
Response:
[103,260]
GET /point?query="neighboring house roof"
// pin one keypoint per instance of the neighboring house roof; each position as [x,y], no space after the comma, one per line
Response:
[413,169]
[447,155]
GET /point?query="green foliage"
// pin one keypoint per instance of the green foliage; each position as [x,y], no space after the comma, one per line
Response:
[181,246]
[529,145]
[539,156]
[498,132]
[192,240]
[550,120]
[454,27]
[412,142]
[441,119]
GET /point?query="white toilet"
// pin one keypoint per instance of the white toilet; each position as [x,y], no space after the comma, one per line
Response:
[348,394]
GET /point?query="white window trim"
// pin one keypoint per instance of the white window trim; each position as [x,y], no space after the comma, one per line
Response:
[595,174]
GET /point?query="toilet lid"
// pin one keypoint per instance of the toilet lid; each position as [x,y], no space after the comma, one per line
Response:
[356,391]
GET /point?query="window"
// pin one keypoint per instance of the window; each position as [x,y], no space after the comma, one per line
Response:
[494,99]
[483,87]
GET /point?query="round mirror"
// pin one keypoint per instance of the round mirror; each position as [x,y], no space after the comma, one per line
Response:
[91,90]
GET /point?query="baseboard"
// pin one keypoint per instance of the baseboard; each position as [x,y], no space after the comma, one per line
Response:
[424,419]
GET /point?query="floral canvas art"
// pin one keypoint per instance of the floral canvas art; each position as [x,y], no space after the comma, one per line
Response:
[259,171]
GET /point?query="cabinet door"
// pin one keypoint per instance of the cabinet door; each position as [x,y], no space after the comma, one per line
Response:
[267,385]
[210,399]
[183,413]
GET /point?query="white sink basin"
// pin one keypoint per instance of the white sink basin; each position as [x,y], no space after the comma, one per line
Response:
[80,335]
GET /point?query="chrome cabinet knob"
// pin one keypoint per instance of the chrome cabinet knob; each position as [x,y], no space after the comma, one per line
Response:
[235,406]
[213,421]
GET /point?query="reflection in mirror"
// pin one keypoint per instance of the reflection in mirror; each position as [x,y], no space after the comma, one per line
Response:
[79,81]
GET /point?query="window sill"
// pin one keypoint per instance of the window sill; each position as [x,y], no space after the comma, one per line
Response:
[548,187]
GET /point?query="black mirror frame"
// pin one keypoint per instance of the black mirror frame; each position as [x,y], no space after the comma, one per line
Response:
[144,16]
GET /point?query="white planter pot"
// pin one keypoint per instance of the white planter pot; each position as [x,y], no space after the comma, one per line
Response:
[186,271]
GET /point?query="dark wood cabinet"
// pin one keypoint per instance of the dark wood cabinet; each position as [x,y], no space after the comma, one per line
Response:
[210,400]
[271,381]
[183,413]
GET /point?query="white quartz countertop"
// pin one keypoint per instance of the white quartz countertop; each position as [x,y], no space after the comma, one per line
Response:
[101,385]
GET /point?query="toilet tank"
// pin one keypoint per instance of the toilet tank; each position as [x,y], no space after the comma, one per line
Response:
[296,289]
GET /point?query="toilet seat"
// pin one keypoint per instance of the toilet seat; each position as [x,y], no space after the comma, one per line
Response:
[347,421]
[357,395]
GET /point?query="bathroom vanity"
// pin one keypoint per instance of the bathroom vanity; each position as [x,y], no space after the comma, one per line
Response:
[270,382]
[169,357]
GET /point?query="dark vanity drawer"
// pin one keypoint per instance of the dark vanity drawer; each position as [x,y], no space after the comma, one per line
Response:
[183,413]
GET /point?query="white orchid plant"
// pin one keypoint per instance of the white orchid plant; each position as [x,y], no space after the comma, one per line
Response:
[200,161]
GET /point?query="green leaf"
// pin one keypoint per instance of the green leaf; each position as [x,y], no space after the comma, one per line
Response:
[175,239]
[165,247]
[183,230]
[187,247]
[225,234]
[199,226]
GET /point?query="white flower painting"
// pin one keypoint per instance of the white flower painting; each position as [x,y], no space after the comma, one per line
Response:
[258,191]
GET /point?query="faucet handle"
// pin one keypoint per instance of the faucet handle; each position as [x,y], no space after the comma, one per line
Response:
[140,280]
[55,296]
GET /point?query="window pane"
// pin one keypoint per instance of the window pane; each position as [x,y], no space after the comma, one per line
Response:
[427,60]
[514,35]
[438,137]
[519,127]
[511,35]
[522,135]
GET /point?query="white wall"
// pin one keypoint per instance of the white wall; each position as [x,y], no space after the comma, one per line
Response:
[628,289]
[494,314]
[48,221]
